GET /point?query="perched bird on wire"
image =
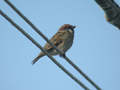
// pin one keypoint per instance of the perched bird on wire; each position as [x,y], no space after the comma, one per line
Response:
[63,40]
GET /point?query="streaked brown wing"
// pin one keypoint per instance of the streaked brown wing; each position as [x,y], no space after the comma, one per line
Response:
[56,40]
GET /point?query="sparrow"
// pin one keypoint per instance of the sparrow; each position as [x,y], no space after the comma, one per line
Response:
[63,40]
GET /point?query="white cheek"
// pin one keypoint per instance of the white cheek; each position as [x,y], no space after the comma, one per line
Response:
[70,31]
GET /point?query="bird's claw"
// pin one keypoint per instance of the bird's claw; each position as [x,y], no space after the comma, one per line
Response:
[62,55]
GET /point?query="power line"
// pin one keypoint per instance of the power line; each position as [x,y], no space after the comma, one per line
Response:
[39,46]
[61,53]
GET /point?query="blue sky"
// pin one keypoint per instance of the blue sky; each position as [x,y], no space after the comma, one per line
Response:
[96,48]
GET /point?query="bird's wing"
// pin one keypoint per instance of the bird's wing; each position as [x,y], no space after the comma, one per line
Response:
[56,40]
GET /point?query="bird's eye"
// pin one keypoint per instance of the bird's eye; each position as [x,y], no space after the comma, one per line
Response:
[69,28]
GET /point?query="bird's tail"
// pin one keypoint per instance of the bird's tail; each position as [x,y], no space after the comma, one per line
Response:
[37,58]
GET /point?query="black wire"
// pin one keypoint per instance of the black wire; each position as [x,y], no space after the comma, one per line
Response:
[43,50]
[40,33]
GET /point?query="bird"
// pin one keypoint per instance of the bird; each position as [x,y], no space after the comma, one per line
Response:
[63,40]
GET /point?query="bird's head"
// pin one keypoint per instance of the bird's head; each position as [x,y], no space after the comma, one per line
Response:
[67,27]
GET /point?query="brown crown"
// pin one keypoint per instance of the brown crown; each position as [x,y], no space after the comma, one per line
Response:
[66,26]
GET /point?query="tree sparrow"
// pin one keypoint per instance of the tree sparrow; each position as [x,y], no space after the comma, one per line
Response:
[63,40]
